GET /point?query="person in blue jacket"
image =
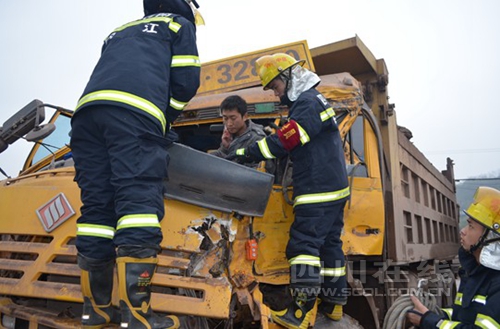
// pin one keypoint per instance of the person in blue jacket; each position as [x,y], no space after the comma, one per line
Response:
[320,189]
[477,303]
[148,71]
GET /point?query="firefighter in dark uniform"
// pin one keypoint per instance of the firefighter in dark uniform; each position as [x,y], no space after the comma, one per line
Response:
[148,71]
[477,303]
[320,187]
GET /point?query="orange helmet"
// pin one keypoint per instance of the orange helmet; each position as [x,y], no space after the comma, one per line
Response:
[485,208]
[268,67]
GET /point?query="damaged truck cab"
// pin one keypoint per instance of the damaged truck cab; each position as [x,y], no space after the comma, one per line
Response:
[226,225]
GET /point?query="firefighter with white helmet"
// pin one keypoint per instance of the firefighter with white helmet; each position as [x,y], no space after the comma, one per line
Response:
[148,71]
[477,304]
[312,140]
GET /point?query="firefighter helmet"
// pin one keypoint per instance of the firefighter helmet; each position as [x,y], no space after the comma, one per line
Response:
[179,7]
[485,208]
[268,67]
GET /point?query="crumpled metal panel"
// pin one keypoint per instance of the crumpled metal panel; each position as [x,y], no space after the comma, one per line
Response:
[205,180]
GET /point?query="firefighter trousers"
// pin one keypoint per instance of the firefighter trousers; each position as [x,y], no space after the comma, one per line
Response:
[121,161]
[315,250]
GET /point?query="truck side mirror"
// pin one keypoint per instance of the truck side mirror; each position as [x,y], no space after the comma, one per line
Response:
[40,132]
[3,145]
[26,121]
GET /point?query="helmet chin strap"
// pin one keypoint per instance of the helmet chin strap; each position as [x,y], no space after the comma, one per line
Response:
[284,100]
[481,242]
[490,241]
[287,78]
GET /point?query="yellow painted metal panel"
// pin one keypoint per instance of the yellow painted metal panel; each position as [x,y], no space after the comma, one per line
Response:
[371,151]
[363,216]
[239,71]
[364,212]
[178,222]
[33,255]
[271,264]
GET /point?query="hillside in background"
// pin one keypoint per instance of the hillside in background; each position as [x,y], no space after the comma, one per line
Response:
[467,187]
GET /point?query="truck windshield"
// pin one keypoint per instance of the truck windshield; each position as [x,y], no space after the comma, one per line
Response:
[54,141]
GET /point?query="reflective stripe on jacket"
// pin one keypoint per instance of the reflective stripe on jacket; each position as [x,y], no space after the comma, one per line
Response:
[477,303]
[319,171]
[150,65]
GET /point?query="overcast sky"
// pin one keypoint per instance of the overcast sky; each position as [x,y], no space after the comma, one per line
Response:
[443,58]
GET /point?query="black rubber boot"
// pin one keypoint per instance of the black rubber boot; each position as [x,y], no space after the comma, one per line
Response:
[330,310]
[298,313]
[97,285]
[134,280]
[332,306]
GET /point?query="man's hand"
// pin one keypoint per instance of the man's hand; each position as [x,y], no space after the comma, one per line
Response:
[415,315]
[226,138]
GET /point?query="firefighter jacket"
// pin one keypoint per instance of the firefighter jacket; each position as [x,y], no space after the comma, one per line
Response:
[311,137]
[150,66]
[477,303]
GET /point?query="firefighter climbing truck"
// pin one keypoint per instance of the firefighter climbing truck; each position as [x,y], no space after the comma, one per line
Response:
[226,226]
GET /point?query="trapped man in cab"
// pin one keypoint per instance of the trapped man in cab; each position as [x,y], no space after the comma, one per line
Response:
[477,303]
[239,130]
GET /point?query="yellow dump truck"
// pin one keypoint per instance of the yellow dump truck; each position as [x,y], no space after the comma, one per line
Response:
[226,226]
